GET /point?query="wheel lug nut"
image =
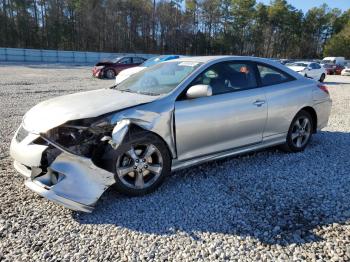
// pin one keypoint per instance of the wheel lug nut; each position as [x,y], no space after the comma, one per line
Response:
[140,170]
[136,160]
[135,167]
[145,166]
[143,160]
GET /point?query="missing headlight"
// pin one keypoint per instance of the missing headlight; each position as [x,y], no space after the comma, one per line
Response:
[68,136]
[76,139]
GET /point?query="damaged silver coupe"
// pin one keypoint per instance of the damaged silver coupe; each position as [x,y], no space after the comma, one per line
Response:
[173,115]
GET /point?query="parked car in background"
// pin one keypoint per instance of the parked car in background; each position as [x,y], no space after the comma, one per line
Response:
[333,69]
[152,61]
[333,60]
[285,61]
[309,69]
[110,68]
[346,70]
[170,116]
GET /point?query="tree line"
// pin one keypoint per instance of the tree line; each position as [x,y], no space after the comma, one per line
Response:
[192,27]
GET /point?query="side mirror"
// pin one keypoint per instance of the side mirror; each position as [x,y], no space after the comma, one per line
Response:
[197,91]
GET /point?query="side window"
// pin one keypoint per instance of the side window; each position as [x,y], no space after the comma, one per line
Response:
[228,77]
[272,76]
[137,60]
[317,66]
[126,60]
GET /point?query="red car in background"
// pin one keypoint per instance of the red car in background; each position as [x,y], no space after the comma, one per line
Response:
[333,69]
[110,68]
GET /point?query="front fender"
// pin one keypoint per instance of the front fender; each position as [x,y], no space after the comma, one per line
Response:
[154,117]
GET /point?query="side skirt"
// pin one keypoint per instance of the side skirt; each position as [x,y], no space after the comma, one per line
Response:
[267,142]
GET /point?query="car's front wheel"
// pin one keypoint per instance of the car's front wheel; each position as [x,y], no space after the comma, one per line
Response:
[141,165]
[110,74]
[299,133]
[322,78]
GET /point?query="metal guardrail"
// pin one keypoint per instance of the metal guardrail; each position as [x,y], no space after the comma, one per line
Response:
[56,56]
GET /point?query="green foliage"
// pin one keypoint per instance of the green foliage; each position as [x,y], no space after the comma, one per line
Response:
[339,44]
[241,27]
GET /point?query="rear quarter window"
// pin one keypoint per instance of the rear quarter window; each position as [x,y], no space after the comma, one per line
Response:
[270,75]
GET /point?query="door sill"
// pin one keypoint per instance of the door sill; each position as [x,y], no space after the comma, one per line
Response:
[178,165]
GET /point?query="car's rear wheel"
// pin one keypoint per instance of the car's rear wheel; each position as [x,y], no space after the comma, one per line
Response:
[323,77]
[141,165]
[110,74]
[299,133]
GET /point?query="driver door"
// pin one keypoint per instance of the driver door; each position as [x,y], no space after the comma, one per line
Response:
[234,116]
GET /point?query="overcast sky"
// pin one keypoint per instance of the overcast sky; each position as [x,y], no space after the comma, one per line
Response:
[307,4]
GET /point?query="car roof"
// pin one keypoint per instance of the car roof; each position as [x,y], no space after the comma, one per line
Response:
[202,59]
[206,59]
[223,58]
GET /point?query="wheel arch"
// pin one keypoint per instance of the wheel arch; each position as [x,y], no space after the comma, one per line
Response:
[136,129]
[104,153]
[313,114]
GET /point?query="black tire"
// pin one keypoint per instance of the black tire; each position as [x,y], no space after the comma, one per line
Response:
[109,73]
[291,145]
[323,77]
[135,140]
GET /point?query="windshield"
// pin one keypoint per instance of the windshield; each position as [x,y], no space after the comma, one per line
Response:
[297,64]
[159,79]
[115,60]
[328,62]
[328,66]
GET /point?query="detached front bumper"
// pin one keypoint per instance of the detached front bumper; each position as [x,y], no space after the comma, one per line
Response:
[69,180]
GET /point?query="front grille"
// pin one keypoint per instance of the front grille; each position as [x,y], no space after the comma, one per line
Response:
[21,134]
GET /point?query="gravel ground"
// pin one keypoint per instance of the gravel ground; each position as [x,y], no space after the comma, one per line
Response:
[264,206]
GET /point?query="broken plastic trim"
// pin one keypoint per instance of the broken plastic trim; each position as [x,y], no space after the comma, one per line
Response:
[118,133]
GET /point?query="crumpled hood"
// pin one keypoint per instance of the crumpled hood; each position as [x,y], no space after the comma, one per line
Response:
[56,111]
[297,68]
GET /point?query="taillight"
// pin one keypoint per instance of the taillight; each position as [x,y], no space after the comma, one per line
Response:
[323,88]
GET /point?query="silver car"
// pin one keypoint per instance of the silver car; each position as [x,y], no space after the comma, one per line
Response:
[170,116]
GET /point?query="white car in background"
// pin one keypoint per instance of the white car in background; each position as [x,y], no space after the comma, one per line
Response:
[309,69]
[126,73]
[346,70]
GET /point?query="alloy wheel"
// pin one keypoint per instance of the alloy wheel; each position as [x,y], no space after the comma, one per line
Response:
[110,74]
[301,131]
[140,166]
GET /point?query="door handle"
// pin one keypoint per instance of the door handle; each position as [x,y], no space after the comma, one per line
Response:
[259,103]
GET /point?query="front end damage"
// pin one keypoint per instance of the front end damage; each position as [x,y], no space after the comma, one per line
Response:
[57,174]
[72,164]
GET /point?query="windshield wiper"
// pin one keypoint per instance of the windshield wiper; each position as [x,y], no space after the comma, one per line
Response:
[135,92]
[122,90]
[148,93]
[126,90]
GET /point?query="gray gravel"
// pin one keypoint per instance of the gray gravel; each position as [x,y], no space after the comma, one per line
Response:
[264,206]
